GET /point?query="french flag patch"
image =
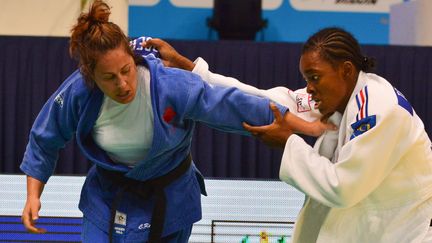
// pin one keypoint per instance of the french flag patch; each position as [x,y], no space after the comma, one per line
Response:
[364,122]
[362,104]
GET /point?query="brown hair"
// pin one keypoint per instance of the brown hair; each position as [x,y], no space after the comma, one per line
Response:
[336,45]
[93,35]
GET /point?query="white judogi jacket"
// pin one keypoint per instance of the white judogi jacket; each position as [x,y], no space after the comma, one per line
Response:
[371,181]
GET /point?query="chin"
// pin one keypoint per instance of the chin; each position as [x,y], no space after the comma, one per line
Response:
[324,111]
[128,100]
[123,102]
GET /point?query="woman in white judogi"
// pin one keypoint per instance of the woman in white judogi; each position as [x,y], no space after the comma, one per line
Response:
[370,181]
[377,184]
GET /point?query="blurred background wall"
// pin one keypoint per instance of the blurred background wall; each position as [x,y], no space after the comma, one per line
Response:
[34,61]
[51,17]
[287,20]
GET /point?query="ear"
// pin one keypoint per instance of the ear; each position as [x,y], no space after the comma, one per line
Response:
[348,69]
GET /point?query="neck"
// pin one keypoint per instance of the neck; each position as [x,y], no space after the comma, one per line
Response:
[351,83]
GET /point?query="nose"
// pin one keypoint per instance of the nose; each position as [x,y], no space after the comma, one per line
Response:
[121,81]
[309,88]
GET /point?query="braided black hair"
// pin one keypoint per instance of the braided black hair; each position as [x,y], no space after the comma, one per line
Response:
[336,45]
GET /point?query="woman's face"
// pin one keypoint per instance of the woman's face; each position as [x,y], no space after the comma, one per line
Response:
[116,75]
[330,86]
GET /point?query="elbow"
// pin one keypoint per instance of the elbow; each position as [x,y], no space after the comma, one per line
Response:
[342,204]
[344,199]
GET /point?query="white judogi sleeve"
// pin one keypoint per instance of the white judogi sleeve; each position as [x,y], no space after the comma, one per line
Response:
[376,185]
[299,101]
[354,173]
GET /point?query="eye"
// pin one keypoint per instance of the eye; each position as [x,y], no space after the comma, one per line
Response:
[108,77]
[125,71]
[312,78]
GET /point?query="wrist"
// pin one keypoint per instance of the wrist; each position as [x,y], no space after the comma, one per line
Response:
[33,197]
[186,64]
[34,188]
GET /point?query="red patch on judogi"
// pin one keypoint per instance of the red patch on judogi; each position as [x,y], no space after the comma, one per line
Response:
[169,114]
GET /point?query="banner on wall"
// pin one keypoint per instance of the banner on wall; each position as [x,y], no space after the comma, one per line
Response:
[344,5]
[301,5]
[266,4]
[288,20]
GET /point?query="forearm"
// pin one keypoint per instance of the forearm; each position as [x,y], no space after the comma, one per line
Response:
[169,56]
[184,63]
[300,126]
[297,124]
[31,209]
[34,188]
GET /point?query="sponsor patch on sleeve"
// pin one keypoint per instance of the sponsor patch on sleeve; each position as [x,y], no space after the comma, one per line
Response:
[59,100]
[140,50]
[403,102]
[303,102]
[361,126]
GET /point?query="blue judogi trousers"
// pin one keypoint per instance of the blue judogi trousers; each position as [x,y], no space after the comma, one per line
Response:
[91,233]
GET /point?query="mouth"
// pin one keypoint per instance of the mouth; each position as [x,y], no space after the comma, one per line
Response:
[317,102]
[124,96]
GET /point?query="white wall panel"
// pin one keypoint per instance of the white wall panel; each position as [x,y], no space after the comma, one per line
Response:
[50,17]
[229,200]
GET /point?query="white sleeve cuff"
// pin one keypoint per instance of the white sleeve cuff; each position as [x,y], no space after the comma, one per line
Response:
[201,68]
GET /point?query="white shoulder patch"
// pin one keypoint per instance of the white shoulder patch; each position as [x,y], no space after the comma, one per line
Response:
[59,100]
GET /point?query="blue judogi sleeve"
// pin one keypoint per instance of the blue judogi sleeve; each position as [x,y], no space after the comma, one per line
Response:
[226,108]
[54,126]
[219,107]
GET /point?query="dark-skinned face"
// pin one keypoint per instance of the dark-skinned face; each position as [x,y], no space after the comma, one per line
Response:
[330,86]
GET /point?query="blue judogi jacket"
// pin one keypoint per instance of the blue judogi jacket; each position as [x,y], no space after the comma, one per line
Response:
[179,100]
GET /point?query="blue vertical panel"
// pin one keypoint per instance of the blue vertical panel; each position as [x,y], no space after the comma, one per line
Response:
[186,19]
